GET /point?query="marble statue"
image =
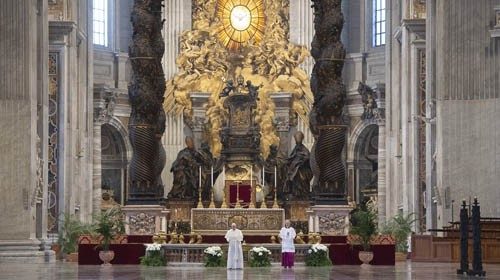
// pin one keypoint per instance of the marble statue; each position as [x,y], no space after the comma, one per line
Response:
[299,173]
[253,91]
[186,172]
[227,89]
[369,102]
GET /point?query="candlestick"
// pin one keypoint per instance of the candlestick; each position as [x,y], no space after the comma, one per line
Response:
[200,205]
[212,203]
[275,202]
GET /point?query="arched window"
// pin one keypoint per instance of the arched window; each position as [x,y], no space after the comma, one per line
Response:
[378,23]
[100,22]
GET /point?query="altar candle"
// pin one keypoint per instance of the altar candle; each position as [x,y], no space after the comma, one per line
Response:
[212,176]
[251,175]
[275,177]
[200,177]
[263,176]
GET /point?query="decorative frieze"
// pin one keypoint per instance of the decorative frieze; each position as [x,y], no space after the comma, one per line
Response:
[141,223]
[145,219]
[255,221]
[329,219]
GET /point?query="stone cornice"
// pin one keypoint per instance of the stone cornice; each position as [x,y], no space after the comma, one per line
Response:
[59,29]
[417,26]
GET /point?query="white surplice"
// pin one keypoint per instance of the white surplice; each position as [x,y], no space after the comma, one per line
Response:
[235,252]
[287,236]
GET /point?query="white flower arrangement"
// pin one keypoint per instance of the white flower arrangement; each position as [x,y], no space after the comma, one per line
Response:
[214,251]
[318,256]
[260,250]
[317,247]
[153,247]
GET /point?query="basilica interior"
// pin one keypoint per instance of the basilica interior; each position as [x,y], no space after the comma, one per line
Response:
[190,115]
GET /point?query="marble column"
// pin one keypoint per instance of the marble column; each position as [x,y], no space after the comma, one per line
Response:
[18,126]
[430,110]
[381,183]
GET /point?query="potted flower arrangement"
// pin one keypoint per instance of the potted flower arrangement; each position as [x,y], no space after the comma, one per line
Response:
[400,228]
[109,225]
[213,256]
[364,226]
[154,256]
[317,255]
[260,257]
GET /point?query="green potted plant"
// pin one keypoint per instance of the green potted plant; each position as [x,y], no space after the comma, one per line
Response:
[400,228]
[70,231]
[363,225]
[108,224]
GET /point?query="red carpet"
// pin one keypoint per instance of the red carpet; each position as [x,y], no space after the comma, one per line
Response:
[341,253]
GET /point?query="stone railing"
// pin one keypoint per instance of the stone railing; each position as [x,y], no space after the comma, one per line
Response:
[193,253]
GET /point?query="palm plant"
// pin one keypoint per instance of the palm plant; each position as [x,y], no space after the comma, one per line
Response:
[363,225]
[70,231]
[400,226]
[109,224]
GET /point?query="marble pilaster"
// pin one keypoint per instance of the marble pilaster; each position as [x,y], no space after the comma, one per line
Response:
[121,60]
[18,125]
[177,14]
[302,29]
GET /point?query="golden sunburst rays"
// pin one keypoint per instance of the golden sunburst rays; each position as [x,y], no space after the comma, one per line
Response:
[243,21]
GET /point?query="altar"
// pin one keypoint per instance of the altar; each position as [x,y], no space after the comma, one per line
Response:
[216,221]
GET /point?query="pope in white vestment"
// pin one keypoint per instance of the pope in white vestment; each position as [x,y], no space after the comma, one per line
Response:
[235,253]
[287,235]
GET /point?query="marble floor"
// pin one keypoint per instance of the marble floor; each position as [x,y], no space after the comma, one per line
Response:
[408,270]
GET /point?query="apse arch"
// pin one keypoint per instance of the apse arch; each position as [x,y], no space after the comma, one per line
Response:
[116,153]
[123,131]
[363,154]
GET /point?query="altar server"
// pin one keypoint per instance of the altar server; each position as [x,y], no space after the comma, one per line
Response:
[235,253]
[287,235]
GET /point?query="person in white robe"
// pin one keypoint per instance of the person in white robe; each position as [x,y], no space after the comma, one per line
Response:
[287,236]
[235,253]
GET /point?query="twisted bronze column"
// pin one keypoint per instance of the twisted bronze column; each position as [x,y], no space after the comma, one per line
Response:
[326,119]
[146,89]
